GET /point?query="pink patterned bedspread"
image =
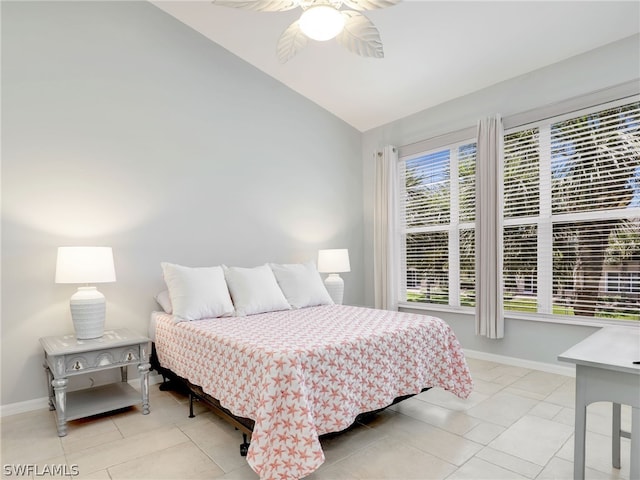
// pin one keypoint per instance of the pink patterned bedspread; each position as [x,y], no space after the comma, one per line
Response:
[303,373]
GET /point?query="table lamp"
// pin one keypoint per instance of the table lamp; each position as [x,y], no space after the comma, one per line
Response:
[333,262]
[86,265]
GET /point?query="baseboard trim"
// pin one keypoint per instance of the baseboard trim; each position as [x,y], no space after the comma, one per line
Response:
[568,371]
[22,407]
[38,403]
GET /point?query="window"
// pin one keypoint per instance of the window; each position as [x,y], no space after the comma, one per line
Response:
[622,282]
[437,229]
[571,218]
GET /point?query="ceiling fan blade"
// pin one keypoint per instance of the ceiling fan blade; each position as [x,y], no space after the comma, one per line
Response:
[360,35]
[361,5]
[259,5]
[291,42]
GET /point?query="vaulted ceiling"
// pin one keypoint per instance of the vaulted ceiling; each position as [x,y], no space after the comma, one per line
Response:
[434,50]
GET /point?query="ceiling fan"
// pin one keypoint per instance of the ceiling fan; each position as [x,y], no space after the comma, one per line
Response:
[323,20]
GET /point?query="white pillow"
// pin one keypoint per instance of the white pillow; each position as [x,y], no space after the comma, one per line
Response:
[164,300]
[254,290]
[301,284]
[197,292]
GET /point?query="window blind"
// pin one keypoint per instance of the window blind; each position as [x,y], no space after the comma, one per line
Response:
[572,213]
[571,217]
[438,210]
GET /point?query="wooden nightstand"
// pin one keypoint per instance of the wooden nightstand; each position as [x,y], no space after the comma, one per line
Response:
[66,356]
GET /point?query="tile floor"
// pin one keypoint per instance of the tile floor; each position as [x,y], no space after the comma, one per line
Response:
[518,424]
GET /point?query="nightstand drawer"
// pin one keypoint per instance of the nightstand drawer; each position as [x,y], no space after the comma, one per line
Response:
[100,359]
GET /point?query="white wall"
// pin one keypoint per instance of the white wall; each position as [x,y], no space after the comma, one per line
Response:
[123,127]
[599,69]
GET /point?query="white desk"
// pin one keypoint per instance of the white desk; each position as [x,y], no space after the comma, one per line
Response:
[605,373]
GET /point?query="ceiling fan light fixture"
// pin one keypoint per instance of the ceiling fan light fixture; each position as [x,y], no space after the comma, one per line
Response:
[322,22]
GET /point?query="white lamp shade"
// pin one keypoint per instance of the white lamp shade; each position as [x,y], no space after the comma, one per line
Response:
[335,260]
[85,265]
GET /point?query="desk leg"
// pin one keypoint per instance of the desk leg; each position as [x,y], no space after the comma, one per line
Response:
[580,429]
[635,443]
[60,388]
[143,368]
[615,436]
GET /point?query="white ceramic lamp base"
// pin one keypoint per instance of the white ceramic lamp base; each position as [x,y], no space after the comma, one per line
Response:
[335,287]
[88,308]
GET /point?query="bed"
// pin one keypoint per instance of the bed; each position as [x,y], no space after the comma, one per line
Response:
[291,376]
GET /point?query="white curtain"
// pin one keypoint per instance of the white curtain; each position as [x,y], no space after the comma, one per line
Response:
[489,207]
[384,219]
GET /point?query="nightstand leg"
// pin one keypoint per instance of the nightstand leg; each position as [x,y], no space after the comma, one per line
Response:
[60,387]
[143,368]
[52,405]
[124,377]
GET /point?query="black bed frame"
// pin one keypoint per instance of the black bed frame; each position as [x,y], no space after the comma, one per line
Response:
[171,381]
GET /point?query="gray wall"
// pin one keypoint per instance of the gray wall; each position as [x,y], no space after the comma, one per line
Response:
[123,127]
[599,69]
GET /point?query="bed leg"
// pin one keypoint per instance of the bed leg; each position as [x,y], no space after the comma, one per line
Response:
[191,415]
[244,446]
[165,386]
